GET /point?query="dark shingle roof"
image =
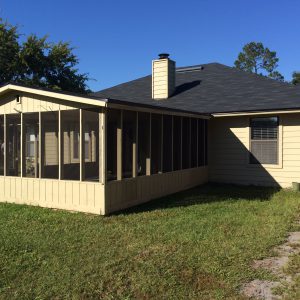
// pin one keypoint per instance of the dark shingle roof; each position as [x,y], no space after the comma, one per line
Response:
[211,89]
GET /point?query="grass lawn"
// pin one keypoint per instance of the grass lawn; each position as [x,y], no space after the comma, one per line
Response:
[197,244]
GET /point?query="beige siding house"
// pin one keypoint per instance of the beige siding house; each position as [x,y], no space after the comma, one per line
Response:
[230,145]
[144,139]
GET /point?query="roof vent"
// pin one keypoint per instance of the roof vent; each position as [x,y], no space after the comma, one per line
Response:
[189,69]
[18,99]
[163,55]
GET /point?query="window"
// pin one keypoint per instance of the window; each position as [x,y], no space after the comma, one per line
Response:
[30,141]
[76,141]
[87,145]
[264,140]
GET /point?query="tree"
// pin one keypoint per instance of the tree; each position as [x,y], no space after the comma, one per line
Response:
[255,58]
[37,62]
[296,78]
[9,52]
[276,75]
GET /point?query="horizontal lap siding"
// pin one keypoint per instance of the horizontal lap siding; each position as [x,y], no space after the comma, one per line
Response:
[134,191]
[51,152]
[62,194]
[228,153]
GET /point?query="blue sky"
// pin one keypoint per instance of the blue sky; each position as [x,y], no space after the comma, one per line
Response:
[116,40]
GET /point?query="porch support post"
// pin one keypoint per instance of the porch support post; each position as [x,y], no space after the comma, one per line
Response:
[36,154]
[172,144]
[135,149]
[41,141]
[81,143]
[102,146]
[119,147]
[5,146]
[148,159]
[22,154]
[162,145]
[190,142]
[60,147]
[205,141]
[181,146]
[197,132]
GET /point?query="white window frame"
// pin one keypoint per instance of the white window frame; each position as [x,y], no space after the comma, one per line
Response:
[280,145]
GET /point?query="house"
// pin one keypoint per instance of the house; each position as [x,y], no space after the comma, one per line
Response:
[150,137]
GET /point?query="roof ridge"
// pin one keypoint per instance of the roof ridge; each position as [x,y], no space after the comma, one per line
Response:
[198,65]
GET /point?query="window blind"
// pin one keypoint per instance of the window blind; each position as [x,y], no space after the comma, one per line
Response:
[264,140]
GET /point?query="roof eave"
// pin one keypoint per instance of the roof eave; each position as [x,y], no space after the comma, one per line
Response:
[56,95]
[257,112]
[154,107]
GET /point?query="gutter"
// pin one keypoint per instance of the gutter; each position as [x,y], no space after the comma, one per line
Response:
[257,112]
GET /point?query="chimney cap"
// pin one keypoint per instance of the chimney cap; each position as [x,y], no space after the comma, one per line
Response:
[163,55]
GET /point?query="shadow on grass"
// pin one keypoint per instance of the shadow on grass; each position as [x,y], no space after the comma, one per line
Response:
[208,193]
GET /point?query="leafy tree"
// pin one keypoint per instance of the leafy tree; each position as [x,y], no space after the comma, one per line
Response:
[37,62]
[296,78]
[276,75]
[9,52]
[255,58]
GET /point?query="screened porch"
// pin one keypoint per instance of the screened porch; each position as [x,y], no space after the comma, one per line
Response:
[144,143]
[52,145]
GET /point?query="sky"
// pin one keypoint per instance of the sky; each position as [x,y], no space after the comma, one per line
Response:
[116,41]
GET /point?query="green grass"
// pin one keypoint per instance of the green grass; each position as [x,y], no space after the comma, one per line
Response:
[198,244]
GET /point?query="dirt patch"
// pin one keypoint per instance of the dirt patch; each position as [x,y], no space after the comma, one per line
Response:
[264,289]
[273,264]
[261,289]
[294,238]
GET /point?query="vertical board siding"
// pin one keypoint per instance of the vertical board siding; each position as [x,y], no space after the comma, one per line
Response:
[52,193]
[70,195]
[133,191]
[229,153]
[32,103]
